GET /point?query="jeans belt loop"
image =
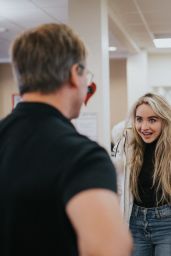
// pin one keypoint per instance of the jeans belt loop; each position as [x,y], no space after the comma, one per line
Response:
[157,212]
[136,210]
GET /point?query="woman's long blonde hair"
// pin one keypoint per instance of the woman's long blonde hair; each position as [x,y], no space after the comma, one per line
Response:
[162,161]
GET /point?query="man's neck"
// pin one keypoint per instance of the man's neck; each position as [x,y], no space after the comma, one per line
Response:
[54,99]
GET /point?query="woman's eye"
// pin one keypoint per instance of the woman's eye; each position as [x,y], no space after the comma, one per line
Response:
[138,119]
[152,121]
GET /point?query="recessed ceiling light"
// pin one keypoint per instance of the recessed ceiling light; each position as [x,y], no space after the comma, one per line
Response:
[112,48]
[162,42]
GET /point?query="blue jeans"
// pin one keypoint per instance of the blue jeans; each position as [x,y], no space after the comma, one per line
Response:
[151,230]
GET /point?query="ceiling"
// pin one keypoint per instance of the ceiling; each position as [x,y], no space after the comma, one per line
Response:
[135,23]
[132,23]
[17,15]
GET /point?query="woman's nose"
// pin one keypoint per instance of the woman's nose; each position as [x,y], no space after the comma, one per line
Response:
[144,125]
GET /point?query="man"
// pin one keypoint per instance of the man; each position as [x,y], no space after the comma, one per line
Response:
[57,188]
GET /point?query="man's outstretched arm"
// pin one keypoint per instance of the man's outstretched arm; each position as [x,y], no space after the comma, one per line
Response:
[97,219]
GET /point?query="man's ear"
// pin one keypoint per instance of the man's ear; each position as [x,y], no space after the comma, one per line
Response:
[76,72]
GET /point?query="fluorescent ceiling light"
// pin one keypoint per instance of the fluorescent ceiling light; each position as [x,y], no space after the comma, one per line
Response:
[162,42]
[112,48]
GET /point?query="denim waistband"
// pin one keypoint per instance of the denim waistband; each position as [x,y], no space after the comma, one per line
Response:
[154,212]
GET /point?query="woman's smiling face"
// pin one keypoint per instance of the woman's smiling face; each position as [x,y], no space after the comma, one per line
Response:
[147,124]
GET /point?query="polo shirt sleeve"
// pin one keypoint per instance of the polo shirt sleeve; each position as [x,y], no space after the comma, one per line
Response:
[88,166]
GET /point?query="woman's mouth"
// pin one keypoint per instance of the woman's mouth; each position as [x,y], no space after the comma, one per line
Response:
[146,134]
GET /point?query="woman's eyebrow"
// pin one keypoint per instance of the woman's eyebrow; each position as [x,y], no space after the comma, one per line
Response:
[154,117]
[148,117]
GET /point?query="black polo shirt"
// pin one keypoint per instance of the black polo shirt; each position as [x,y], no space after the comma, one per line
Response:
[44,162]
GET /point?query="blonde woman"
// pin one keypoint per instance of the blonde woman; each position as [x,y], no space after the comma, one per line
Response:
[142,156]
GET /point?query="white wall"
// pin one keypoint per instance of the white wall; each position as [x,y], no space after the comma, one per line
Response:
[93,29]
[148,72]
[159,69]
[137,76]
[118,90]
